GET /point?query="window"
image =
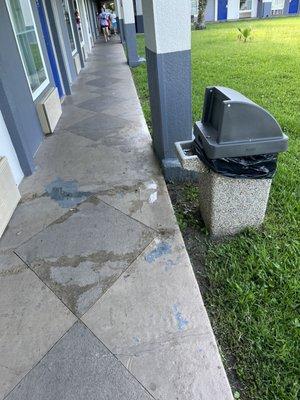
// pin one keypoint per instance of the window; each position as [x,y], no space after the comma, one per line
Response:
[78,23]
[245,5]
[28,43]
[277,5]
[67,15]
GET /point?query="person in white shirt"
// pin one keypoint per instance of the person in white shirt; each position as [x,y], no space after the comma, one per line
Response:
[113,19]
[103,21]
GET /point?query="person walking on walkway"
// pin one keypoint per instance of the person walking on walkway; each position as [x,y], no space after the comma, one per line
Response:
[103,20]
[113,19]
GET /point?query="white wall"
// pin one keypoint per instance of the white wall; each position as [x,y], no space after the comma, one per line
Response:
[7,150]
[84,26]
[233,10]
[254,8]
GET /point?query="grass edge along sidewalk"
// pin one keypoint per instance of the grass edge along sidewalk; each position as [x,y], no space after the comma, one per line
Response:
[250,283]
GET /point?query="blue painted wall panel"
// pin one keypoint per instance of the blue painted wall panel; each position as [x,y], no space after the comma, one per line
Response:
[222,10]
[50,51]
[293,9]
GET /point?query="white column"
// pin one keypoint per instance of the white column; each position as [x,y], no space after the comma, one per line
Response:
[84,26]
[168,51]
[139,16]
[119,12]
[130,33]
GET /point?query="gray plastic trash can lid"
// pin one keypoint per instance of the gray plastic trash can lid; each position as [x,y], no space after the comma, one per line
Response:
[234,126]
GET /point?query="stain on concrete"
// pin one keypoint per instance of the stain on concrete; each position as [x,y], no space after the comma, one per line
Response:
[79,281]
[88,298]
[81,276]
[152,387]
[170,264]
[151,185]
[66,193]
[161,249]
[181,321]
[153,198]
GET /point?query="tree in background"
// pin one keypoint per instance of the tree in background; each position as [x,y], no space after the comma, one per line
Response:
[200,23]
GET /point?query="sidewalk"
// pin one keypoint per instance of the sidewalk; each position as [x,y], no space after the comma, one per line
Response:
[98,299]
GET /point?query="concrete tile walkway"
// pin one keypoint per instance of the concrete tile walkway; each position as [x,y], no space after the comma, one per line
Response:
[98,299]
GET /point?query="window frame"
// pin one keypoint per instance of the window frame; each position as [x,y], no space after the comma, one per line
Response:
[248,9]
[82,43]
[37,92]
[273,5]
[75,51]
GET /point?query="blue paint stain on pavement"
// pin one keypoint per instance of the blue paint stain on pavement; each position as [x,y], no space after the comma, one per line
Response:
[169,265]
[160,250]
[181,321]
[66,193]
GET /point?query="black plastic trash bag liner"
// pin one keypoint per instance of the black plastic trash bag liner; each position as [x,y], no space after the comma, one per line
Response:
[250,167]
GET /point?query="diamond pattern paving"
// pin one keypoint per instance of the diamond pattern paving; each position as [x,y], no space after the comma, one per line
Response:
[79,367]
[99,103]
[101,83]
[96,127]
[32,319]
[156,324]
[83,253]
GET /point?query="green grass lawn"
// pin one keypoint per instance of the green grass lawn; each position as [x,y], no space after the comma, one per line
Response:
[252,281]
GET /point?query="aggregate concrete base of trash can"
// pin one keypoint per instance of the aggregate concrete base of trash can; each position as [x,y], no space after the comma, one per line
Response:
[230,205]
[227,205]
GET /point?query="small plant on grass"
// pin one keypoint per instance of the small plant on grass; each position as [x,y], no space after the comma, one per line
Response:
[245,34]
[200,23]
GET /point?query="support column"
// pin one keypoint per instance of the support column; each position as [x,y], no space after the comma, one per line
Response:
[94,11]
[76,34]
[120,20]
[130,33]
[92,19]
[139,19]
[168,54]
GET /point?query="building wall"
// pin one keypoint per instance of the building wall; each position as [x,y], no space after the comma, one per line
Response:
[16,101]
[233,10]
[260,9]
[63,38]
[210,11]
[7,150]
[20,128]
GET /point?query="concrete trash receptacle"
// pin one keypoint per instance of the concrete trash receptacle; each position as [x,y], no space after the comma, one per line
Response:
[228,204]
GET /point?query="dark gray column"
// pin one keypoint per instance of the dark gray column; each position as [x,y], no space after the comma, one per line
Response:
[168,54]
[16,101]
[139,19]
[130,33]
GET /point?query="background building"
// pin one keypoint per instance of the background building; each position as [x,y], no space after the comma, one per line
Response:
[222,10]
